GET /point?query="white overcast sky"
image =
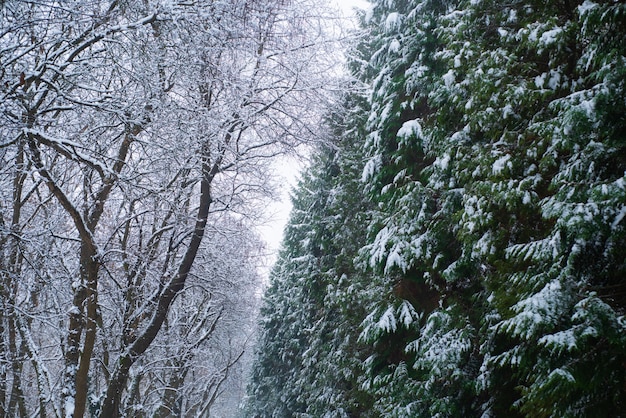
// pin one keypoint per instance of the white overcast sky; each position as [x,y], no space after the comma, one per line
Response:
[347,5]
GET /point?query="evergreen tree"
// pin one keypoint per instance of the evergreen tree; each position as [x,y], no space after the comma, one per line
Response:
[497,156]
[549,195]
[425,330]
[487,272]
[309,357]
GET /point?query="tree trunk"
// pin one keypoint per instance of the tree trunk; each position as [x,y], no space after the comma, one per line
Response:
[89,295]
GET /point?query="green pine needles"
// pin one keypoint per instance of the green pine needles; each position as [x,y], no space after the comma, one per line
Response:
[461,251]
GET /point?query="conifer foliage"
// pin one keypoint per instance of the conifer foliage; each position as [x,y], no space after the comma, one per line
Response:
[308,360]
[491,273]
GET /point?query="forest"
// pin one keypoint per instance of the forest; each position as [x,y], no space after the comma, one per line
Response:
[456,245]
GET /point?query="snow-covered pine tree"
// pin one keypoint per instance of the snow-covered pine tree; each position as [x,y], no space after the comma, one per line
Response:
[425,327]
[492,280]
[497,157]
[544,100]
[309,357]
[288,313]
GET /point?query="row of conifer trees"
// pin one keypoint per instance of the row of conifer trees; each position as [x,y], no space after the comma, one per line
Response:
[460,250]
